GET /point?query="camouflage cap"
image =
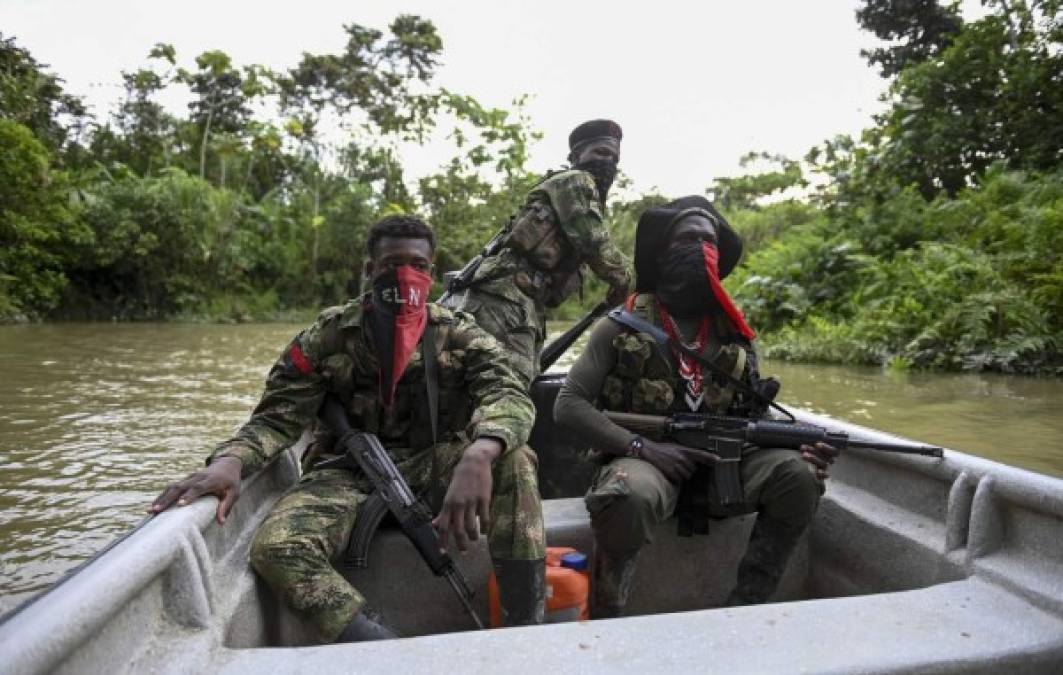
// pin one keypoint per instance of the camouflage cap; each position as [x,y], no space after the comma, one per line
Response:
[593,130]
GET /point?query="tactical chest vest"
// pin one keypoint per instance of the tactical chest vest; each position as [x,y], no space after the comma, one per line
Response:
[406,428]
[536,233]
[646,380]
[552,271]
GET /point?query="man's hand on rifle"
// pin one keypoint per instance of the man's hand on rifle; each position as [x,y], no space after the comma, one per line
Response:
[221,479]
[676,462]
[468,495]
[820,456]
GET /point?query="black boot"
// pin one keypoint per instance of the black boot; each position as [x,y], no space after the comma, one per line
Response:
[521,591]
[612,583]
[365,626]
[770,547]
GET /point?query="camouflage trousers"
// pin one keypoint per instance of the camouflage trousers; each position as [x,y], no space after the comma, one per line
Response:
[630,497]
[511,317]
[294,547]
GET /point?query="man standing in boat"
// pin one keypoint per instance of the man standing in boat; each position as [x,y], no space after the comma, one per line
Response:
[682,251]
[370,354]
[536,262]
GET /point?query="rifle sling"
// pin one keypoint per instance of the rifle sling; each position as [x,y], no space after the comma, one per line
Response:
[431,381]
[625,318]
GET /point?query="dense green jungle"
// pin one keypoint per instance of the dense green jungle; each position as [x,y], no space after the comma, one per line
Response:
[933,240]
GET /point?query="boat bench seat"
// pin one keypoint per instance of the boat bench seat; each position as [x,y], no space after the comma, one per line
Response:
[675,574]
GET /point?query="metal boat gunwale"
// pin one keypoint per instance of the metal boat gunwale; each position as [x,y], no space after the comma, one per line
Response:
[963,558]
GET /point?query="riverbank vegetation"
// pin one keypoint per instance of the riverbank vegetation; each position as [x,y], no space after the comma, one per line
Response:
[932,240]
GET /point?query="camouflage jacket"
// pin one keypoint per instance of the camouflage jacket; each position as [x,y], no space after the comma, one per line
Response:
[560,228]
[479,393]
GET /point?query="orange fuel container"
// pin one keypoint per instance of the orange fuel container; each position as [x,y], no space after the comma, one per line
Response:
[567,587]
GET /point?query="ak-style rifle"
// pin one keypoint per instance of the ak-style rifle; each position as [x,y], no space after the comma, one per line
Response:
[390,493]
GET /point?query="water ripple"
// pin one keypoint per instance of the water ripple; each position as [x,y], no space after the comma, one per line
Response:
[96,418]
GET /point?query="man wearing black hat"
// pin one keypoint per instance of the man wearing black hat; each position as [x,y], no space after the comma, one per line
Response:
[544,248]
[682,251]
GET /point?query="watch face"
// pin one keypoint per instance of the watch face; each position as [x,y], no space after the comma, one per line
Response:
[634,448]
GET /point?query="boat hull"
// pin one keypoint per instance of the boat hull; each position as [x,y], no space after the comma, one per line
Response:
[943,565]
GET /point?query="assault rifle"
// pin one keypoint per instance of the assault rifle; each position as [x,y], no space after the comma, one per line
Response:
[725,437]
[460,280]
[390,493]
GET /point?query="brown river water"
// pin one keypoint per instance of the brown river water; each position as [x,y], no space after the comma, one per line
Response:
[96,418]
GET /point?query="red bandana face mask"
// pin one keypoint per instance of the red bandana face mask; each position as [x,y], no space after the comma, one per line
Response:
[397,318]
[712,268]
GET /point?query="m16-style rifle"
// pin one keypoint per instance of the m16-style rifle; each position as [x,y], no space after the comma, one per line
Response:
[390,493]
[726,436]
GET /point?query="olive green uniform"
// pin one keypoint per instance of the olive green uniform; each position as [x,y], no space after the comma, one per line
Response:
[479,396]
[629,372]
[558,230]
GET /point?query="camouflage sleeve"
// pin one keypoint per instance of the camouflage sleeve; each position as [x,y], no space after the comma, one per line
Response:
[503,409]
[293,394]
[611,266]
[575,200]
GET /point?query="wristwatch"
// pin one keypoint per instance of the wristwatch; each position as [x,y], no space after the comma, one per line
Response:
[634,448]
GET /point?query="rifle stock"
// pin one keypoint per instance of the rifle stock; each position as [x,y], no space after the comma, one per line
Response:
[654,427]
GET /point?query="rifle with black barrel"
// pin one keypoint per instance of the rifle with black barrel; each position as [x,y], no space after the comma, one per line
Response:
[390,493]
[559,345]
[460,280]
[726,436]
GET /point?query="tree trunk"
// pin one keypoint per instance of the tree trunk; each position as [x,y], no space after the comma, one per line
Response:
[250,167]
[317,229]
[203,145]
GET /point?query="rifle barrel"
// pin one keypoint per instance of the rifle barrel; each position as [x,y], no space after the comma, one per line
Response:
[559,345]
[899,447]
[461,589]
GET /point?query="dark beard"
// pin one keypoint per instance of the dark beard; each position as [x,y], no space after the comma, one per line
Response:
[603,171]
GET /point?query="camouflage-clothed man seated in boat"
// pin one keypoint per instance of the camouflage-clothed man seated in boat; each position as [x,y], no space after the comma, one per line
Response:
[556,233]
[369,354]
[682,251]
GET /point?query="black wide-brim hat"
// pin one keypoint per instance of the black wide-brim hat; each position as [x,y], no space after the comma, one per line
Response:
[654,228]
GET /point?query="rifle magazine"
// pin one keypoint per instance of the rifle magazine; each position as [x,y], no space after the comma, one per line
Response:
[371,513]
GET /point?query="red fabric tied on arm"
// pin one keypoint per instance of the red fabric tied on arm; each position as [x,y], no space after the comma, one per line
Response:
[299,360]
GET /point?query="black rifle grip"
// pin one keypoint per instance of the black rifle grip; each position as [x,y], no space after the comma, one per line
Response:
[334,416]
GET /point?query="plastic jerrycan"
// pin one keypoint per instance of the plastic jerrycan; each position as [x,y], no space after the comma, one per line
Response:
[567,587]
